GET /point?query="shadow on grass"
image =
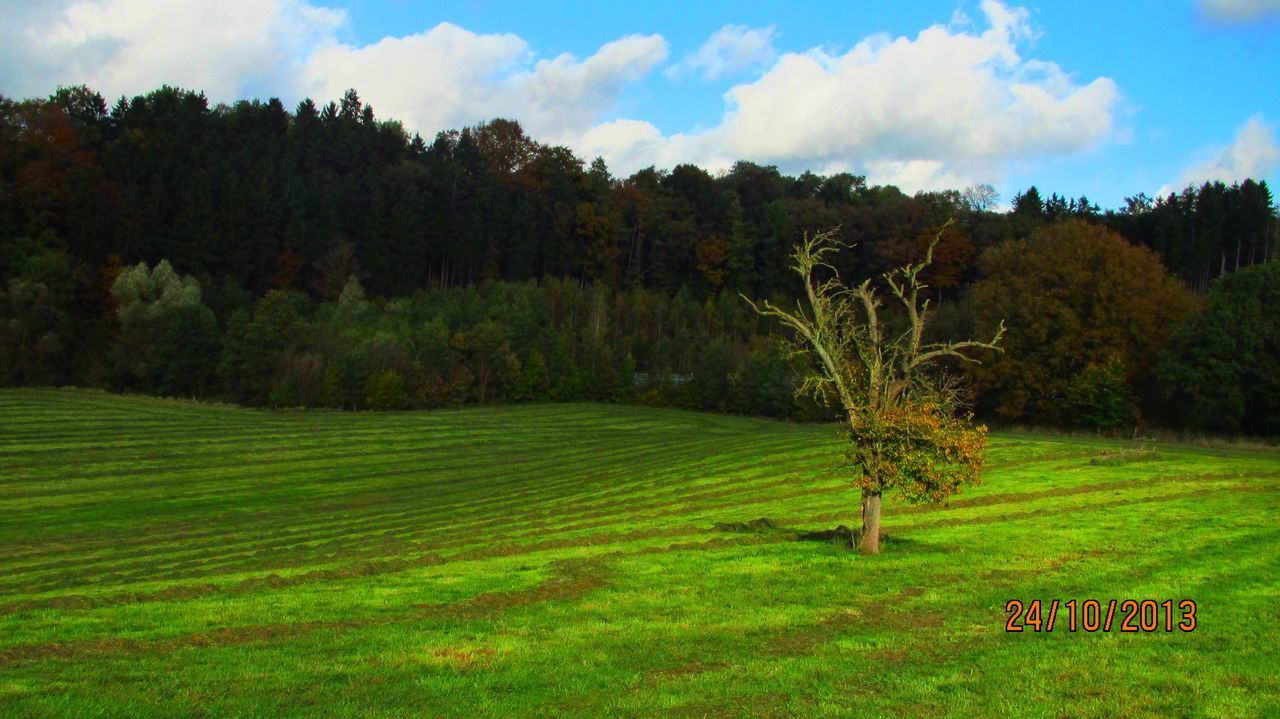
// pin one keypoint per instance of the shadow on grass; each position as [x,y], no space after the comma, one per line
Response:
[841,536]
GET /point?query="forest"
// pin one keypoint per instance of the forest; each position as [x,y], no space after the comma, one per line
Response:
[324,257]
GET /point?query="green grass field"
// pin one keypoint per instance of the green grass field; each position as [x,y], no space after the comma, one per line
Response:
[162,558]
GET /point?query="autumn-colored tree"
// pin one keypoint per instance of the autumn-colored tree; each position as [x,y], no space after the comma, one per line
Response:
[504,146]
[1077,296]
[288,267]
[598,231]
[952,257]
[953,252]
[712,254]
[903,426]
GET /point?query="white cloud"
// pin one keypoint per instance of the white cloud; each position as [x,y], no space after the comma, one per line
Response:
[630,145]
[912,175]
[564,95]
[950,107]
[132,46]
[443,78]
[1253,153]
[422,80]
[729,50]
[448,77]
[1239,11]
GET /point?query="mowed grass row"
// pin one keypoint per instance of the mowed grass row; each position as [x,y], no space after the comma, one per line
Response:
[167,558]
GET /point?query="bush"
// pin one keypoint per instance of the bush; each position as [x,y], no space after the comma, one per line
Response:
[531,384]
[710,386]
[331,394]
[448,391]
[765,383]
[1099,396]
[385,391]
[285,393]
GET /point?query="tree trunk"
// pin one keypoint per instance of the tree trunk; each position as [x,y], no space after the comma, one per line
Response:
[870,542]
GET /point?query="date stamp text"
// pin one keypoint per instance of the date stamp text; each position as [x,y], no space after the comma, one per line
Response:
[1093,615]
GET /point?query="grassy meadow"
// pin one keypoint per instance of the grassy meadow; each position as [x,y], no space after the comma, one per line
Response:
[166,558]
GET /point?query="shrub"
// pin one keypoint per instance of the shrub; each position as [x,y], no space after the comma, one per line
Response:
[1099,396]
[385,391]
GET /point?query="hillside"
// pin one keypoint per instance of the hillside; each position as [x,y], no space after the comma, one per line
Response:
[164,558]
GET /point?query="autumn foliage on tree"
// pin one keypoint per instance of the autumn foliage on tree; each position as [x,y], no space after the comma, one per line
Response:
[902,418]
[1084,306]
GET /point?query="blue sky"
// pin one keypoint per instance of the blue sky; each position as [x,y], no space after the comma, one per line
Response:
[1105,99]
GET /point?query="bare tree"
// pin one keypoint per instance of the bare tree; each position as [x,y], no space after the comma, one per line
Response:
[903,424]
[979,198]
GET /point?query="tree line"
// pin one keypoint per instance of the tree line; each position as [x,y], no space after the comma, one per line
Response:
[327,257]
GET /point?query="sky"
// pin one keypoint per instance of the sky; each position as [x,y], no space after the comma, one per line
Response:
[1104,99]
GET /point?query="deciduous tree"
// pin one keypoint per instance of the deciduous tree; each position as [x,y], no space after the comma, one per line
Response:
[902,422]
[168,338]
[1075,295]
